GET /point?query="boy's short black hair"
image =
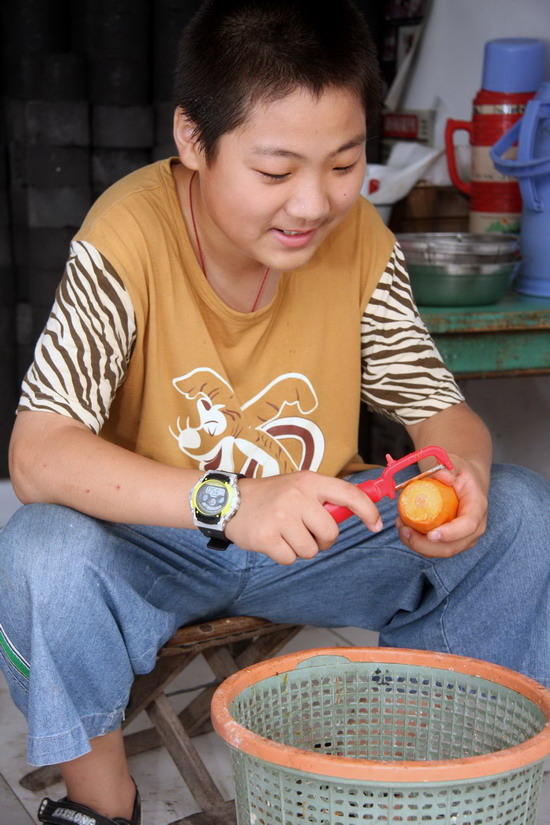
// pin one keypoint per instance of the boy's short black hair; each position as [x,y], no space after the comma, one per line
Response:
[235,53]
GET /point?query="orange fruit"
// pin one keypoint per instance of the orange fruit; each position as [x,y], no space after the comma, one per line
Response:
[427,503]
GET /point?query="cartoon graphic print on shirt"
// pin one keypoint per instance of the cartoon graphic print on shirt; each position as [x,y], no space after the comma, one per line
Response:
[255,438]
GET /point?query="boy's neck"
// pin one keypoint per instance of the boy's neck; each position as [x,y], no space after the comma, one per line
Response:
[244,285]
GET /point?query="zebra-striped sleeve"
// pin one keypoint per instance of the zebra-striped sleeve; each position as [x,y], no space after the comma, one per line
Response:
[82,355]
[403,375]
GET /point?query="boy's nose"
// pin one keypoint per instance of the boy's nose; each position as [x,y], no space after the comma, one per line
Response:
[309,203]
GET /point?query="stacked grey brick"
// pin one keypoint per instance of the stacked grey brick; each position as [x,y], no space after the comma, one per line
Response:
[45,120]
[8,378]
[50,193]
[86,99]
[118,57]
[168,19]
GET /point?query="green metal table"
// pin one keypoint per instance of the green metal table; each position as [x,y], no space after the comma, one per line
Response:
[509,338]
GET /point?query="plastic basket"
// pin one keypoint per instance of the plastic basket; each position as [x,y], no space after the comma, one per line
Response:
[343,736]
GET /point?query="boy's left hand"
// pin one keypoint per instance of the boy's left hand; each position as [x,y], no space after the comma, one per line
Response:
[463,531]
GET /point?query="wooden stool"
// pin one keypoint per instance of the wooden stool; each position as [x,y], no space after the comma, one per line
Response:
[227,645]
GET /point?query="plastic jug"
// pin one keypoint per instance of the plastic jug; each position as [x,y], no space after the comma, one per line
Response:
[513,69]
[532,169]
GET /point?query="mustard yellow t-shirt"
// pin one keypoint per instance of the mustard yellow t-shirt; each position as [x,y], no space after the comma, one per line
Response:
[142,350]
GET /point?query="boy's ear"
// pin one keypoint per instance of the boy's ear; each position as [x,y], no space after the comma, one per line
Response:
[186,140]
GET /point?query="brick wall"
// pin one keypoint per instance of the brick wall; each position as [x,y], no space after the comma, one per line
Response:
[85,99]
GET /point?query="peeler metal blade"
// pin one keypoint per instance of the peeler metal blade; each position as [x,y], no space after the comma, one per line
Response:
[425,474]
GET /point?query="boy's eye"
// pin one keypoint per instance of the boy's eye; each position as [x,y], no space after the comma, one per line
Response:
[344,169]
[270,176]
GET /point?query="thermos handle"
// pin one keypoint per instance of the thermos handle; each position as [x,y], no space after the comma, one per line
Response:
[452,127]
[525,167]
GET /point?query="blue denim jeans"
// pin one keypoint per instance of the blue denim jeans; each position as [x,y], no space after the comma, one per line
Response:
[85,604]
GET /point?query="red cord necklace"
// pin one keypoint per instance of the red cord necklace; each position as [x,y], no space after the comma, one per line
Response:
[266,273]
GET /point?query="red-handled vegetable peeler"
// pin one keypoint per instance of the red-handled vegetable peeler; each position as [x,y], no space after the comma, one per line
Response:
[377,488]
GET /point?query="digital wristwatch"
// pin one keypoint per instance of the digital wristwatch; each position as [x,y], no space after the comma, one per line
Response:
[214,500]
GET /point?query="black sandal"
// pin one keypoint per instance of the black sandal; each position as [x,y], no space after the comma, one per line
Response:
[65,812]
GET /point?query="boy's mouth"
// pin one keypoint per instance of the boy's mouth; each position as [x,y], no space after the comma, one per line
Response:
[294,238]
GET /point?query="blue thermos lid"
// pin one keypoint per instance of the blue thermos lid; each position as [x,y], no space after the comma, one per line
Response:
[514,64]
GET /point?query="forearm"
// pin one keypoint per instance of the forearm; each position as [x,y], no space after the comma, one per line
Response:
[461,433]
[59,461]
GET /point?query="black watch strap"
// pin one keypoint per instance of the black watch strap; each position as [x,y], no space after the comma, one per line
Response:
[216,539]
[218,544]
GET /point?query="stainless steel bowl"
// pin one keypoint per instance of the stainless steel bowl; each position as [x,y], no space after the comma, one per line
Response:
[439,285]
[433,247]
[459,269]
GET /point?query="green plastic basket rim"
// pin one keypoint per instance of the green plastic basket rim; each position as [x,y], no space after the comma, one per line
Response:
[504,761]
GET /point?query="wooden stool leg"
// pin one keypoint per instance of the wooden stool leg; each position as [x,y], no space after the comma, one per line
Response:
[195,718]
[40,778]
[223,814]
[184,753]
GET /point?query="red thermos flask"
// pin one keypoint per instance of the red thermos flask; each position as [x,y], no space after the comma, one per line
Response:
[513,69]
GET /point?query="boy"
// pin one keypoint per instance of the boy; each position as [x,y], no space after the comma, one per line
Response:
[220,317]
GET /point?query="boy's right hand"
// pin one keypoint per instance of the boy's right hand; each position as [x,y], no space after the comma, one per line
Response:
[283,516]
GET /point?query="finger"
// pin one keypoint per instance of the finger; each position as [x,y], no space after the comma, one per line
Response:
[302,543]
[470,521]
[446,476]
[459,529]
[359,503]
[421,544]
[321,526]
[430,550]
[274,546]
[317,531]
[280,552]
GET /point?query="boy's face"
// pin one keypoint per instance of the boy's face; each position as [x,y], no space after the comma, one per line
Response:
[281,182]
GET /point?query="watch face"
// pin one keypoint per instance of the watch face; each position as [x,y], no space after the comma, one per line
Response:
[211,498]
